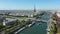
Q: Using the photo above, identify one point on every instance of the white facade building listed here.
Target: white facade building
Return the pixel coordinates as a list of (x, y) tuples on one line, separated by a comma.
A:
[(58, 14)]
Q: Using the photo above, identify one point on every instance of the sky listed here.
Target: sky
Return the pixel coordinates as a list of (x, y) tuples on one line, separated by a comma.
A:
[(29, 4)]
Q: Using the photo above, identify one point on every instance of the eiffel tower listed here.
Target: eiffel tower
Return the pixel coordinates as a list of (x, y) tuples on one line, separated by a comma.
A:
[(34, 8)]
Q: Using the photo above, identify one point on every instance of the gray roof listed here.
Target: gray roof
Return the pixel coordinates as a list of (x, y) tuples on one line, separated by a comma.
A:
[(11, 22)]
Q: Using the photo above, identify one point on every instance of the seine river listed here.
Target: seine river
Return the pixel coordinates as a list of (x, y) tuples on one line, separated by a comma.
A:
[(39, 27)]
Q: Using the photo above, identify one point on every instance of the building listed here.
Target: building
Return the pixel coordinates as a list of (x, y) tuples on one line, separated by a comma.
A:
[(9, 21), (58, 14), (2, 18)]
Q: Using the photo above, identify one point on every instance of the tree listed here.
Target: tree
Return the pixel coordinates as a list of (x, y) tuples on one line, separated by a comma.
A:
[(28, 21)]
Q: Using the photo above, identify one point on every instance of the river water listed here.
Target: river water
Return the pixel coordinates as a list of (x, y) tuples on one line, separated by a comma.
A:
[(39, 27)]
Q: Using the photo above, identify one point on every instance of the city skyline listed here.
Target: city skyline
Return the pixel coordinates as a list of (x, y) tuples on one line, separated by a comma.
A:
[(29, 4)]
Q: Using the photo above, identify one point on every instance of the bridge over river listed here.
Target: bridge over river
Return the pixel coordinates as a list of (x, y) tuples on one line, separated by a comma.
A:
[(46, 21)]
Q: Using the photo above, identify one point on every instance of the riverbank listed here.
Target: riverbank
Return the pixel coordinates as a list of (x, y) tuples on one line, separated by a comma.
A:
[(20, 30), (30, 25)]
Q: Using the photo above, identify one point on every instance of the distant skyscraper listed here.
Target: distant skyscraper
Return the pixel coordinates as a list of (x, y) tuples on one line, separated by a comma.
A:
[(34, 8)]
